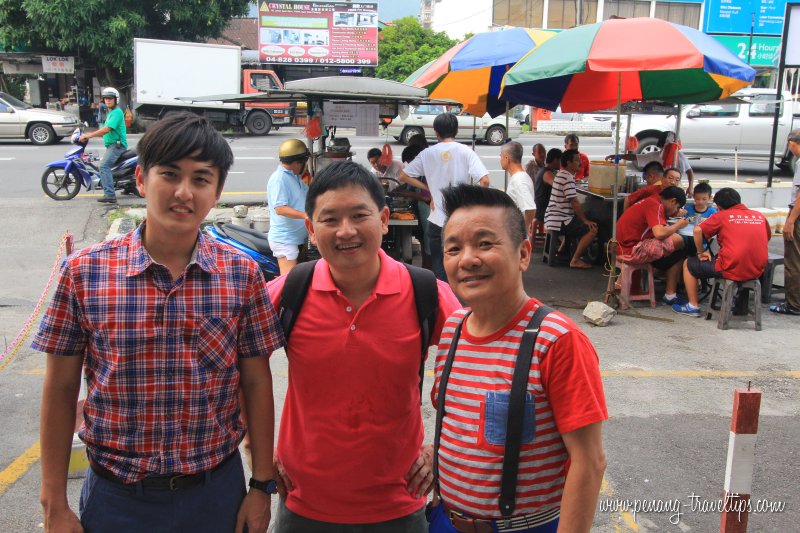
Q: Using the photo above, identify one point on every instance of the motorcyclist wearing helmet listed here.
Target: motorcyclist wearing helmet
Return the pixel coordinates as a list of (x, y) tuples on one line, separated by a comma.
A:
[(115, 140), (286, 198)]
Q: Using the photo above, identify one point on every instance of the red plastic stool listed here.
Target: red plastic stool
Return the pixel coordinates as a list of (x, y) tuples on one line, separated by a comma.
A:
[(539, 234), (628, 273)]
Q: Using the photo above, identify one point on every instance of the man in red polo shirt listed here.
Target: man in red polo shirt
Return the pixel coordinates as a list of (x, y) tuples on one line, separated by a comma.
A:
[(743, 236), (643, 236), (571, 142), (350, 441)]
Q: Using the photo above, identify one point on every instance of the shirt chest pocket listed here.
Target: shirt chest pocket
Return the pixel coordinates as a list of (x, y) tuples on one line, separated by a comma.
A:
[(495, 415), (216, 342)]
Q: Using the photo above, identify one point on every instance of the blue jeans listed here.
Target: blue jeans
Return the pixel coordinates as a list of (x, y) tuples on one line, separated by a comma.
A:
[(437, 251), (440, 523), (106, 164), (209, 506)]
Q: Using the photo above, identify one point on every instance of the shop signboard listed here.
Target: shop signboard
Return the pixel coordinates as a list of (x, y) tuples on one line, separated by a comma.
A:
[(763, 53), (737, 16), (793, 37), (318, 33), (58, 65)]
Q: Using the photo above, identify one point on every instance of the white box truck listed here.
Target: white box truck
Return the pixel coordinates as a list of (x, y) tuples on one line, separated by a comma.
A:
[(167, 70)]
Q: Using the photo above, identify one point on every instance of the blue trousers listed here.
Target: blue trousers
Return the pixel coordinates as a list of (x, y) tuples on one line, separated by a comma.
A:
[(437, 251), (106, 164), (212, 506)]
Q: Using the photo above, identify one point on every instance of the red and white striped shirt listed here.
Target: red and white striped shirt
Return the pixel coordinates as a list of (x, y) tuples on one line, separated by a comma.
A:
[(565, 393)]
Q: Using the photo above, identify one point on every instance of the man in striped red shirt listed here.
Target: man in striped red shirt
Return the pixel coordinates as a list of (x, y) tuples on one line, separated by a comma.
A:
[(485, 253)]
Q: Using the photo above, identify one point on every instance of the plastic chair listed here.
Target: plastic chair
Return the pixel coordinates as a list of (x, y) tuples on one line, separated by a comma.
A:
[(626, 276)]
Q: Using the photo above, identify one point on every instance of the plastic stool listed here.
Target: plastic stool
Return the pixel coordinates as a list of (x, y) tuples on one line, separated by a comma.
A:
[(627, 271), (550, 250), (539, 235), (766, 279), (724, 291)]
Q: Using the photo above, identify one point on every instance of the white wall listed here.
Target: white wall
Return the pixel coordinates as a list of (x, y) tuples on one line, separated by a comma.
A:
[(459, 17)]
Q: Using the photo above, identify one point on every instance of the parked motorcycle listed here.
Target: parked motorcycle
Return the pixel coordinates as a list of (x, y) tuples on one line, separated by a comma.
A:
[(62, 179), (251, 242)]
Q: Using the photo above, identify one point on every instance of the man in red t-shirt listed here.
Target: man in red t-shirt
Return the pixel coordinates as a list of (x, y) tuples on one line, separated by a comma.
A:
[(657, 180), (571, 142), (743, 236), (643, 236)]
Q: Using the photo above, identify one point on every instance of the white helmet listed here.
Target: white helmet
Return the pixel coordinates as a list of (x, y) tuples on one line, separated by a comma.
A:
[(110, 91)]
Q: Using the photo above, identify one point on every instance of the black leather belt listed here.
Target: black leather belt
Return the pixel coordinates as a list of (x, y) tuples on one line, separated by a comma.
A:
[(176, 482)]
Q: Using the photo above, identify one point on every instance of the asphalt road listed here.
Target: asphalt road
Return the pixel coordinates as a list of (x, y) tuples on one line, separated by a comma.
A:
[(669, 380)]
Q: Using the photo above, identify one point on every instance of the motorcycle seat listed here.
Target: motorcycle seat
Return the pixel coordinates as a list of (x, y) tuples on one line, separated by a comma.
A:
[(255, 240), (127, 154)]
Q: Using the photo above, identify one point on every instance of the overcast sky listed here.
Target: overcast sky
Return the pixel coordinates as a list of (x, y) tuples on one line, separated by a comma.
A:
[(387, 9)]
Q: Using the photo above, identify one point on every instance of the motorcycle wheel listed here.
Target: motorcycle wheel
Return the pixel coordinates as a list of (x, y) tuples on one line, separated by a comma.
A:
[(60, 185)]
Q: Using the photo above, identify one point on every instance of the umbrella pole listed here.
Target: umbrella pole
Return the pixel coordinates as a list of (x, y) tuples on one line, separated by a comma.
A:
[(611, 297), (677, 134), (474, 127), (505, 172)]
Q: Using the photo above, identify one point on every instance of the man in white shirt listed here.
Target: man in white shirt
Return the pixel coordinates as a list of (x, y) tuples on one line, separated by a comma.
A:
[(520, 186), (443, 164)]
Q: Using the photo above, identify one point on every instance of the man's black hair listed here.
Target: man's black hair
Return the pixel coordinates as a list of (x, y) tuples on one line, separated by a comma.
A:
[(410, 153), (462, 196), (567, 156), (672, 169), (652, 166), (343, 174), (726, 197), (445, 125), (373, 152), (702, 187), (571, 137), (183, 134), (674, 192), (553, 154)]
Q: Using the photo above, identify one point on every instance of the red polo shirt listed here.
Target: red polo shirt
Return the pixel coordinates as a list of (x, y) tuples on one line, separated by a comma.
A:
[(644, 192), (583, 173), (636, 223), (743, 236), (351, 424)]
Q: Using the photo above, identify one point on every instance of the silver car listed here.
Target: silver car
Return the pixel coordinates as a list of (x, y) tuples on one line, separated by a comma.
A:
[(19, 120), (420, 121)]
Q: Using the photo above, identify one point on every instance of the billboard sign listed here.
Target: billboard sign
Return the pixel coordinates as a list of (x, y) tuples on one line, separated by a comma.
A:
[(737, 16), (318, 33), (763, 53)]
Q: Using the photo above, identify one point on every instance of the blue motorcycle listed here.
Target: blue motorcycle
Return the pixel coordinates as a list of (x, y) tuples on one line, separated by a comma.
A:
[(251, 242), (62, 179)]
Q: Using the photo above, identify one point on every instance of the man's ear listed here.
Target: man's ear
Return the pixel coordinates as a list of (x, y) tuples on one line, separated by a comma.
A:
[(385, 220), (310, 229), (140, 180)]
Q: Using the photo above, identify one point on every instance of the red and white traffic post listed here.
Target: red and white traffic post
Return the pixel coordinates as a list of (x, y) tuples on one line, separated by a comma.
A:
[(741, 458)]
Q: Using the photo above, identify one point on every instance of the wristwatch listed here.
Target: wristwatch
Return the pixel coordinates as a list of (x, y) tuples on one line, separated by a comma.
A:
[(270, 486)]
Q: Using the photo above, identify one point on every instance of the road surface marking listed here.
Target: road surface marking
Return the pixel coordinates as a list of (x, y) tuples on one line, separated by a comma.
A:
[(791, 374), (17, 469), (231, 172), (7, 158)]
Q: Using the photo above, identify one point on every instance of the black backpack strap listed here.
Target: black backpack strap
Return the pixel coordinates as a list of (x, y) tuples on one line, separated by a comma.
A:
[(295, 288), (448, 365), (426, 298), (516, 405)]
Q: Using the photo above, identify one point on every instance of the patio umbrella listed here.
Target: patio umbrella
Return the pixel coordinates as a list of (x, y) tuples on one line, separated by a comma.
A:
[(471, 72), (602, 65)]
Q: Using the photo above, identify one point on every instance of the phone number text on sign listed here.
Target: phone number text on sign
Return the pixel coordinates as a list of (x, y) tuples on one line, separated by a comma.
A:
[(320, 61)]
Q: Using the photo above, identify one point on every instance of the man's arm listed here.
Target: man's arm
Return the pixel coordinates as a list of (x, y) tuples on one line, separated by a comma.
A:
[(697, 234), (484, 181), (788, 227), (256, 385), (622, 157), (414, 182), (62, 384), (585, 475), (290, 212), (548, 177), (662, 232), (576, 206), (530, 214)]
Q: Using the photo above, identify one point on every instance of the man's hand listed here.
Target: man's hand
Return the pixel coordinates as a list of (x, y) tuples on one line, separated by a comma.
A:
[(592, 226), (682, 212), (788, 231), (704, 256), (682, 223), (420, 475), (284, 483), (62, 520), (254, 512), (83, 138)]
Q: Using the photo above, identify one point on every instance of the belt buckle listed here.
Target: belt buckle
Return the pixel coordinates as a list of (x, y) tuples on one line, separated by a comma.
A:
[(172, 482)]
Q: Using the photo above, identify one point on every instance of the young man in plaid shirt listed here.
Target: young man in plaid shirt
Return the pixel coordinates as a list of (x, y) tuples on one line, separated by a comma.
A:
[(167, 325)]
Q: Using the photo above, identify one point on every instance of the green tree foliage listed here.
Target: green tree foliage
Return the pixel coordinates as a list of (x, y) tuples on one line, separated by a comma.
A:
[(101, 32), (406, 46)]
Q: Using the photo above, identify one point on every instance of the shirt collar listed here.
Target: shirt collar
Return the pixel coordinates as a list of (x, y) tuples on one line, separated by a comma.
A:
[(388, 279), (139, 259)]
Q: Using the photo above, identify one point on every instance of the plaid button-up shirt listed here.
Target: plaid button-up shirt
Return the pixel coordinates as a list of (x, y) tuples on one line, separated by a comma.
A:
[(160, 355)]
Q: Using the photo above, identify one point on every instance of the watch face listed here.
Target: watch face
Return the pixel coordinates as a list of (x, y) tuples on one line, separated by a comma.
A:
[(272, 486)]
